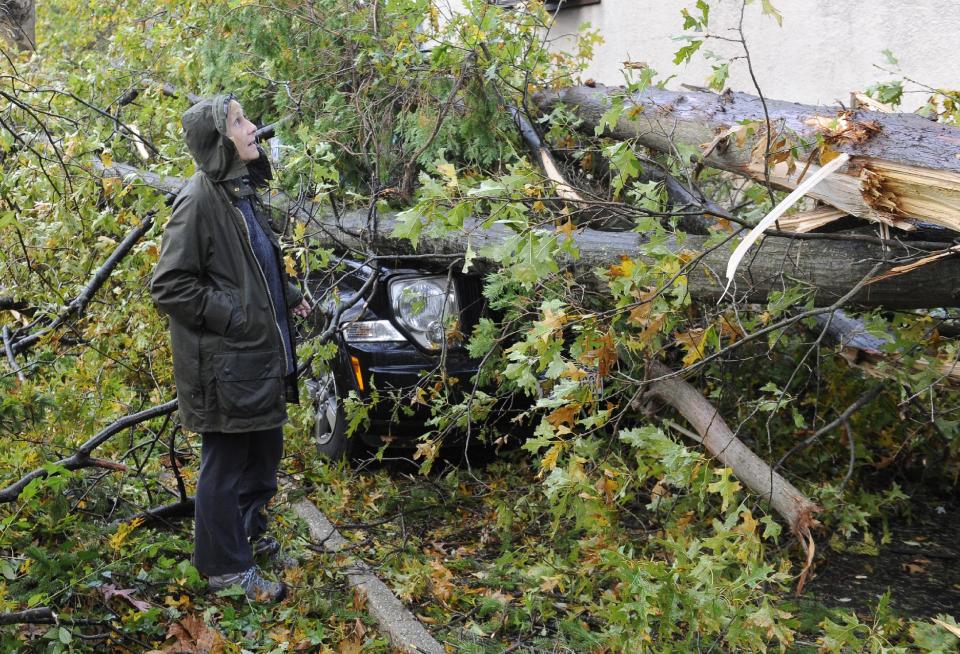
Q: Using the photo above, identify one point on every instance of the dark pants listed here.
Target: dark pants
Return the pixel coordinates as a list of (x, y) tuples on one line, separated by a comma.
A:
[(238, 476)]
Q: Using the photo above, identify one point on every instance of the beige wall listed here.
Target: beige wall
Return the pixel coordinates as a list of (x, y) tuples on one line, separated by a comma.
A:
[(825, 49)]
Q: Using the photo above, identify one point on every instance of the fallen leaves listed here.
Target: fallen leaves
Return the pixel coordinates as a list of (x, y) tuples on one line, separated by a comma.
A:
[(191, 635), (109, 591)]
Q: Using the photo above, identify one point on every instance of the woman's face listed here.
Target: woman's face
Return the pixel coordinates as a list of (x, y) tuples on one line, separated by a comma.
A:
[(242, 132)]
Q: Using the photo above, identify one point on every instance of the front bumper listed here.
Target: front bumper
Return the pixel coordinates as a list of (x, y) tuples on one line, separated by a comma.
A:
[(396, 370)]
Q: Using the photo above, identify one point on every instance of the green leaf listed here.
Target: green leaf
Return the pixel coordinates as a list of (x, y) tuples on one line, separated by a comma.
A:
[(726, 487), (468, 257), (610, 117), (686, 52), (770, 10), (408, 225), (64, 635), (718, 78)]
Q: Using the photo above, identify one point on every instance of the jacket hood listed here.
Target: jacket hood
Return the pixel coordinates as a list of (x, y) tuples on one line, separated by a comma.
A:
[(205, 129)]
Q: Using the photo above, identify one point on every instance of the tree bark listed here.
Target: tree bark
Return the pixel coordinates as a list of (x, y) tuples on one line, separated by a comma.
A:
[(829, 266), (18, 23), (902, 166)]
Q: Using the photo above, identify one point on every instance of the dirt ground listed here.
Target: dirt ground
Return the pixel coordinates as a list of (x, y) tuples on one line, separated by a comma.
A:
[(920, 565)]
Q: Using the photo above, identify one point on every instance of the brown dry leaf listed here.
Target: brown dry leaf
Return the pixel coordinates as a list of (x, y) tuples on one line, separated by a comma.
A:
[(554, 321), (606, 355), (359, 600), (652, 329), (499, 596), (351, 645), (440, 578), (564, 415), (109, 590), (915, 567), (548, 584), (359, 629), (192, 636)]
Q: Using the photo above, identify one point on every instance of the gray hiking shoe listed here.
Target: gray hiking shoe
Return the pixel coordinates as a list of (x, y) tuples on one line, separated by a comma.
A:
[(255, 587)]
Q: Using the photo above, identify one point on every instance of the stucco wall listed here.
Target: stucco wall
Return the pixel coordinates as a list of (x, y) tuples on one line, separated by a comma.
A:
[(825, 49)]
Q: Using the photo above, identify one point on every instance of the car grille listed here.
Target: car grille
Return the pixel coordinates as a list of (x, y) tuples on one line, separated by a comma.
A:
[(472, 302)]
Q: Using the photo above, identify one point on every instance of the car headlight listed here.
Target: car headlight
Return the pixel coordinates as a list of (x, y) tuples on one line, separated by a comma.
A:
[(424, 307), (371, 331)]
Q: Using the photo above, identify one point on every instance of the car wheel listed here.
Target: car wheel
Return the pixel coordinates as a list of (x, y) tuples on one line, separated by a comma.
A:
[(330, 422)]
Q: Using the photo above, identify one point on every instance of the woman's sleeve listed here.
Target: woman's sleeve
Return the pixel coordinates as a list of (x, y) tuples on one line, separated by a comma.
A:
[(177, 285)]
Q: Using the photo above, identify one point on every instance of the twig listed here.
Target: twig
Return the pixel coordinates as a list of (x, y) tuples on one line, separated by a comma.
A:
[(826, 429), (8, 348), (82, 458), (79, 304)]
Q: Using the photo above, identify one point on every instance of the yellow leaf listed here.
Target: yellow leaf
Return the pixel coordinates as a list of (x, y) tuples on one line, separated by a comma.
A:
[(827, 154), (110, 185), (567, 228), (749, 524), (106, 157), (290, 266), (549, 460), (123, 531), (624, 269), (426, 450), (449, 172), (571, 371), (693, 342)]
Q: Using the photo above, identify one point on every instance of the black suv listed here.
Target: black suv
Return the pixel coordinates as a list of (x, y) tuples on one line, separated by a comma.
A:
[(400, 324)]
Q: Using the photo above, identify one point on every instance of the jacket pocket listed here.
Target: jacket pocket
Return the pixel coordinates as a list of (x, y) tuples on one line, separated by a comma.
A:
[(248, 383)]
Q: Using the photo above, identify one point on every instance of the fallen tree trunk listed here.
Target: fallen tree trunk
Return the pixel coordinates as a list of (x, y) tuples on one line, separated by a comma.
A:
[(902, 166), (829, 265)]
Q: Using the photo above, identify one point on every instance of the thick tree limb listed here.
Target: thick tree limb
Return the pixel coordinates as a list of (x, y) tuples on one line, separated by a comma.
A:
[(42, 615), (166, 513), (82, 458), (829, 266), (902, 167), (792, 505)]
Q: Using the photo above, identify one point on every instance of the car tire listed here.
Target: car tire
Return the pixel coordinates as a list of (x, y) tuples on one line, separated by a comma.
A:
[(330, 422)]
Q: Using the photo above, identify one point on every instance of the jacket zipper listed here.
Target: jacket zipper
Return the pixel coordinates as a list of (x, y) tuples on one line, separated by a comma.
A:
[(266, 285)]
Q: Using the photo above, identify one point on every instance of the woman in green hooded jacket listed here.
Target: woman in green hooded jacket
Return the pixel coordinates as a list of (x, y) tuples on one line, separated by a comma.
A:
[(220, 278)]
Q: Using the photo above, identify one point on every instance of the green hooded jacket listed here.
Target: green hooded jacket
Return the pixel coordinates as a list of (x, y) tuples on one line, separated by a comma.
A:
[(228, 354)]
